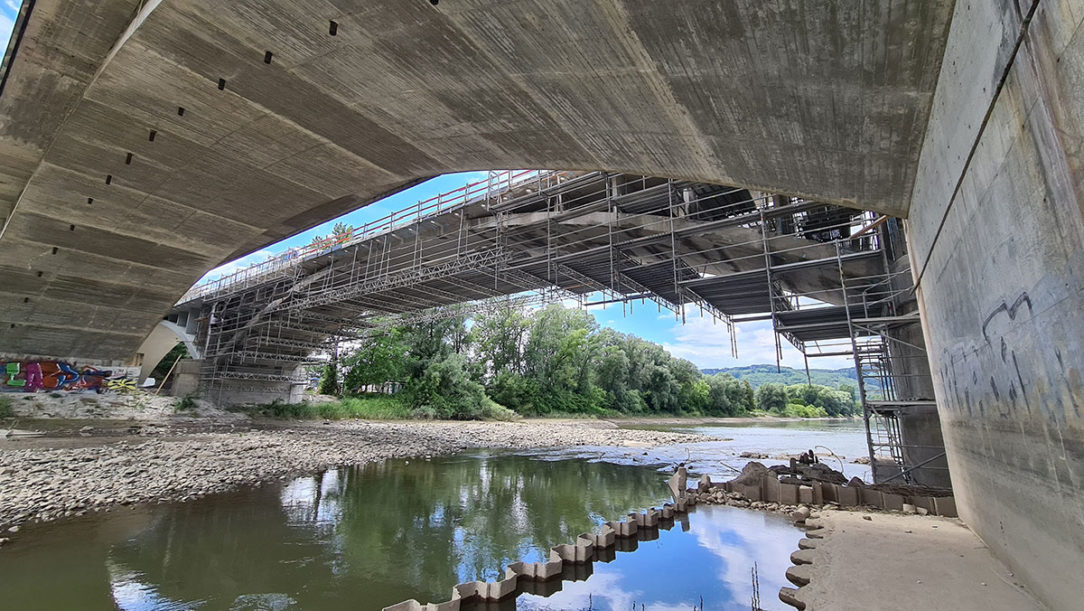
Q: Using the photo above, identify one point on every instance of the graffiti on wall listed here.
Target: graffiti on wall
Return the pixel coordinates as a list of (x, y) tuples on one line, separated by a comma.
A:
[(35, 376)]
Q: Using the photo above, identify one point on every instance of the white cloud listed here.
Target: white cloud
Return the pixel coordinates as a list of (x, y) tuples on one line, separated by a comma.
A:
[(741, 538), (707, 344)]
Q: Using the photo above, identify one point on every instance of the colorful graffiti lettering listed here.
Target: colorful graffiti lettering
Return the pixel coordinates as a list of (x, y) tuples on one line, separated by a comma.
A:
[(34, 376)]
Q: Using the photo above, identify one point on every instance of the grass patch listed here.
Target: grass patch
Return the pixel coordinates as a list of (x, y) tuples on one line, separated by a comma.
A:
[(365, 407), (6, 410), (368, 407)]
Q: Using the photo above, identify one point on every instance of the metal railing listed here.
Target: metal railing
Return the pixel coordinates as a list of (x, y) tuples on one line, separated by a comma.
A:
[(494, 185)]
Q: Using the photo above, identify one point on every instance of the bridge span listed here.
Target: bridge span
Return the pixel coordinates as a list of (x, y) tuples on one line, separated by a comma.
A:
[(833, 281)]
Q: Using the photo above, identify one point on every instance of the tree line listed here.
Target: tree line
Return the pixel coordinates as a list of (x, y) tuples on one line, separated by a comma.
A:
[(552, 360)]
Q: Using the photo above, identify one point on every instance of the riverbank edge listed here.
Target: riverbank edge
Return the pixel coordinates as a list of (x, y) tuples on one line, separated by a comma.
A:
[(41, 483)]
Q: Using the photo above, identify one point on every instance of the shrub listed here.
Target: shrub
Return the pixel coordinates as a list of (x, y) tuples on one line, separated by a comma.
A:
[(6, 410), (185, 403), (797, 410), (445, 388)]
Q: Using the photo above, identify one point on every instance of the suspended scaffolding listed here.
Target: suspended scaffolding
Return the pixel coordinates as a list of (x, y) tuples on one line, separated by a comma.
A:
[(825, 276)]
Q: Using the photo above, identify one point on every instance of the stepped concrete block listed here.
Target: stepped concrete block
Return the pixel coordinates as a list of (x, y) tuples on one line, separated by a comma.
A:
[(788, 494), (802, 556), (604, 539), (805, 494), (573, 553), (790, 597), (800, 574), (848, 497), (892, 501), (623, 529)]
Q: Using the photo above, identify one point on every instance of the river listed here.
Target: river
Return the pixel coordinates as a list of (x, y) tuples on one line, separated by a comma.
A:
[(370, 536)]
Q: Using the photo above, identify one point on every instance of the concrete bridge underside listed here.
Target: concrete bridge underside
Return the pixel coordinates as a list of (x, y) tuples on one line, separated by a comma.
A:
[(963, 116), (829, 102)]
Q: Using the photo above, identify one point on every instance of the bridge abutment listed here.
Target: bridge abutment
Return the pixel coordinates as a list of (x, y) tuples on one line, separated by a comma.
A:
[(228, 392), (997, 238)]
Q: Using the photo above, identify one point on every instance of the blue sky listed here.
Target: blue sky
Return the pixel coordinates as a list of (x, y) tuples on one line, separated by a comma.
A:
[(8, 10), (700, 340)]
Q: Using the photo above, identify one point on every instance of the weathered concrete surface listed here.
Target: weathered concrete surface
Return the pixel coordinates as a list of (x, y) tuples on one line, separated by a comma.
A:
[(1002, 283), (827, 101), (894, 562)]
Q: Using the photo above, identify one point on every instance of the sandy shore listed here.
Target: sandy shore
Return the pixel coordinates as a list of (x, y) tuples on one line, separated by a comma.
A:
[(47, 478)]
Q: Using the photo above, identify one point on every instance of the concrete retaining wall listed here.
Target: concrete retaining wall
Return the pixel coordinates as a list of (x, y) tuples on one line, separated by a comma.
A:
[(997, 235), (772, 490)]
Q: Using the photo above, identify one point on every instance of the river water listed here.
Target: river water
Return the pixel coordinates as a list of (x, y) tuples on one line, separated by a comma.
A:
[(370, 536)]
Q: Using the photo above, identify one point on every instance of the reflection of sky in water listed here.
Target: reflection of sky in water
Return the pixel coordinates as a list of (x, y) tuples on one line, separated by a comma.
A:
[(130, 593), (712, 561), (313, 500)]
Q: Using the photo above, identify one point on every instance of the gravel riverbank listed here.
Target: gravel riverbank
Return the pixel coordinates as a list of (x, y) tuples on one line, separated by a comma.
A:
[(42, 483)]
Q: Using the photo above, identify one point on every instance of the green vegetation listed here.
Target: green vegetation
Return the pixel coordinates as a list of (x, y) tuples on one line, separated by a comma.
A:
[(6, 410), (339, 233), (185, 403), (365, 407), (806, 400), (329, 379), (551, 361), (166, 364)]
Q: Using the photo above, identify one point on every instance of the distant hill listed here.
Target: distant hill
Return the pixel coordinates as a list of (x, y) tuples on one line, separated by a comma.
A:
[(765, 374)]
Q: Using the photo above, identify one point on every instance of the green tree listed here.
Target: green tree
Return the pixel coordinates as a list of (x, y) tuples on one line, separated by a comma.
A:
[(340, 232), (499, 338), (329, 380), (771, 398), (381, 359)]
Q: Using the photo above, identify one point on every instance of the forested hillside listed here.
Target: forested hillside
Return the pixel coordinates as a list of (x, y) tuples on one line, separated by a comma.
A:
[(758, 375)]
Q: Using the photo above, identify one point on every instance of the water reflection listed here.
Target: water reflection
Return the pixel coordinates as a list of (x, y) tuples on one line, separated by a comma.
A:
[(710, 565), (375, 535), (372, 536)]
